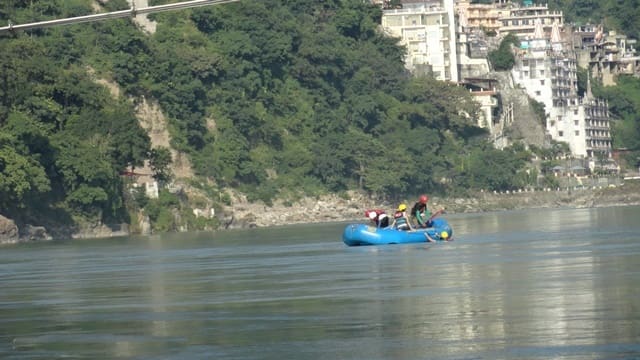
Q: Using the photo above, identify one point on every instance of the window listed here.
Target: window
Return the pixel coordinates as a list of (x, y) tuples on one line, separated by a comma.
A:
[(541, 82), (576, 122), (577, 132), (575, 112), (537, 92), (560, 133)]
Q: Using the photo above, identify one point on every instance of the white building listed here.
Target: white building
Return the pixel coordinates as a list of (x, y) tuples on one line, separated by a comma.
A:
[(427, 29), (547, 69), (521, 20)]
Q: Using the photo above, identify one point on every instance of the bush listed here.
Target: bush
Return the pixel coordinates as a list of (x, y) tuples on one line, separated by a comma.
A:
[(502, 59), (160, 211), (539, 110)]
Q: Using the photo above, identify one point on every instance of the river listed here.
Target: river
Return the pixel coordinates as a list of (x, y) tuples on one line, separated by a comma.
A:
[(532, 284)]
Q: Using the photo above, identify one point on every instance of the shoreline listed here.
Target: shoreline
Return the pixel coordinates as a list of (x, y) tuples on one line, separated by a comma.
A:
[(334, 208)]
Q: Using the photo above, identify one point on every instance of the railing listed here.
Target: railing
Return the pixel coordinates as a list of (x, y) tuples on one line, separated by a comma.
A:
[(598, 128), (415, 10)]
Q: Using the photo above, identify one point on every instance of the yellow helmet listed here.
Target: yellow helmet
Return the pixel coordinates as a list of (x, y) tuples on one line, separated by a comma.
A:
[(444, 235), (402, 207)]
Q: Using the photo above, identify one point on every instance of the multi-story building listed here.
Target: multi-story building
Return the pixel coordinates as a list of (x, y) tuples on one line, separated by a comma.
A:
[(427, 29), (597, 122), (478, 16), (521, 20), (473, 68), (546, 68), (546, 63), (606, 55)]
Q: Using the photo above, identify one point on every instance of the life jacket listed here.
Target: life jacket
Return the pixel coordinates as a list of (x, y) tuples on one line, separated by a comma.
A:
[(377, 211), (401, 220)]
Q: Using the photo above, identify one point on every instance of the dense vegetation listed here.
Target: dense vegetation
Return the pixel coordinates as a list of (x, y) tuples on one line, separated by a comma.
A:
[(624, 104), (620, 15), (275, 98), (502, 58)]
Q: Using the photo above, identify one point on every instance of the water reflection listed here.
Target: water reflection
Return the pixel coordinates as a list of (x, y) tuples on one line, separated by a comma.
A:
[(533, 288), (512, 285), (543, 220), (159, 326)]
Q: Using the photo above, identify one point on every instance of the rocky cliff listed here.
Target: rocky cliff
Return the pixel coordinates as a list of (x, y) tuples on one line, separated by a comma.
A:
[(517, 116)]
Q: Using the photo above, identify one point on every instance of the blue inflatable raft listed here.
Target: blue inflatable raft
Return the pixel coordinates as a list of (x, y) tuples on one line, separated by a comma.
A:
[(362, 234)]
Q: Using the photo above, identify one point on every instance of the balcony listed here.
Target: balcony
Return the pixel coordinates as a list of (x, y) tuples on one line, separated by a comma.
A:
[(597, 128), (599, 138)]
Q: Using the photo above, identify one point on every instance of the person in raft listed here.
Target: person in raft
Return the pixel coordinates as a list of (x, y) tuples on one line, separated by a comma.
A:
[(421, 213), (400, 219), (379, 217)]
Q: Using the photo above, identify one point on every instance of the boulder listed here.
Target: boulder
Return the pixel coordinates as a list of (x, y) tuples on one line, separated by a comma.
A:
[(9, 233), (36, 233)]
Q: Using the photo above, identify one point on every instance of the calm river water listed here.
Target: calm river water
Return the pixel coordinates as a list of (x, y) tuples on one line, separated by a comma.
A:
[(535, 284)]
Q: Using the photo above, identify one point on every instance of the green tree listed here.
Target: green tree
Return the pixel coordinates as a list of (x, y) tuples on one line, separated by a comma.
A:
[(21, 176), (499, 170), (624, 104), (159, 161), (230, 151), (161, 211), (88, 178), (502, 59)]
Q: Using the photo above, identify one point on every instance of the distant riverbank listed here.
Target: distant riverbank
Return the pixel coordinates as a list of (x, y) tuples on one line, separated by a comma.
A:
[(351, 207)]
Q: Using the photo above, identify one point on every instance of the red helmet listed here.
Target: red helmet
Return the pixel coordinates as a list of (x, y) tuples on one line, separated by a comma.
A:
[(424, 199)]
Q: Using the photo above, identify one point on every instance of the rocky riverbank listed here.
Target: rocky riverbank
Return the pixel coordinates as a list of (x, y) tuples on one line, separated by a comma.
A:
[(335, 208), (350, 207), (10, 234)]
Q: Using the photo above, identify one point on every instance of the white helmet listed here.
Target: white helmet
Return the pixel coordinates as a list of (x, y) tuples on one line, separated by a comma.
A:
[(372, 215)]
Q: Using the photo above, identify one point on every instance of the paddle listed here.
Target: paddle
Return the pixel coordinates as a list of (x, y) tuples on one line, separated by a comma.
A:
[(435, 214)]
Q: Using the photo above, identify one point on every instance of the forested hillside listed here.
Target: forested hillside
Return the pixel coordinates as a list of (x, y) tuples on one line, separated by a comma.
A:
[(272, 98), (620, 15)]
